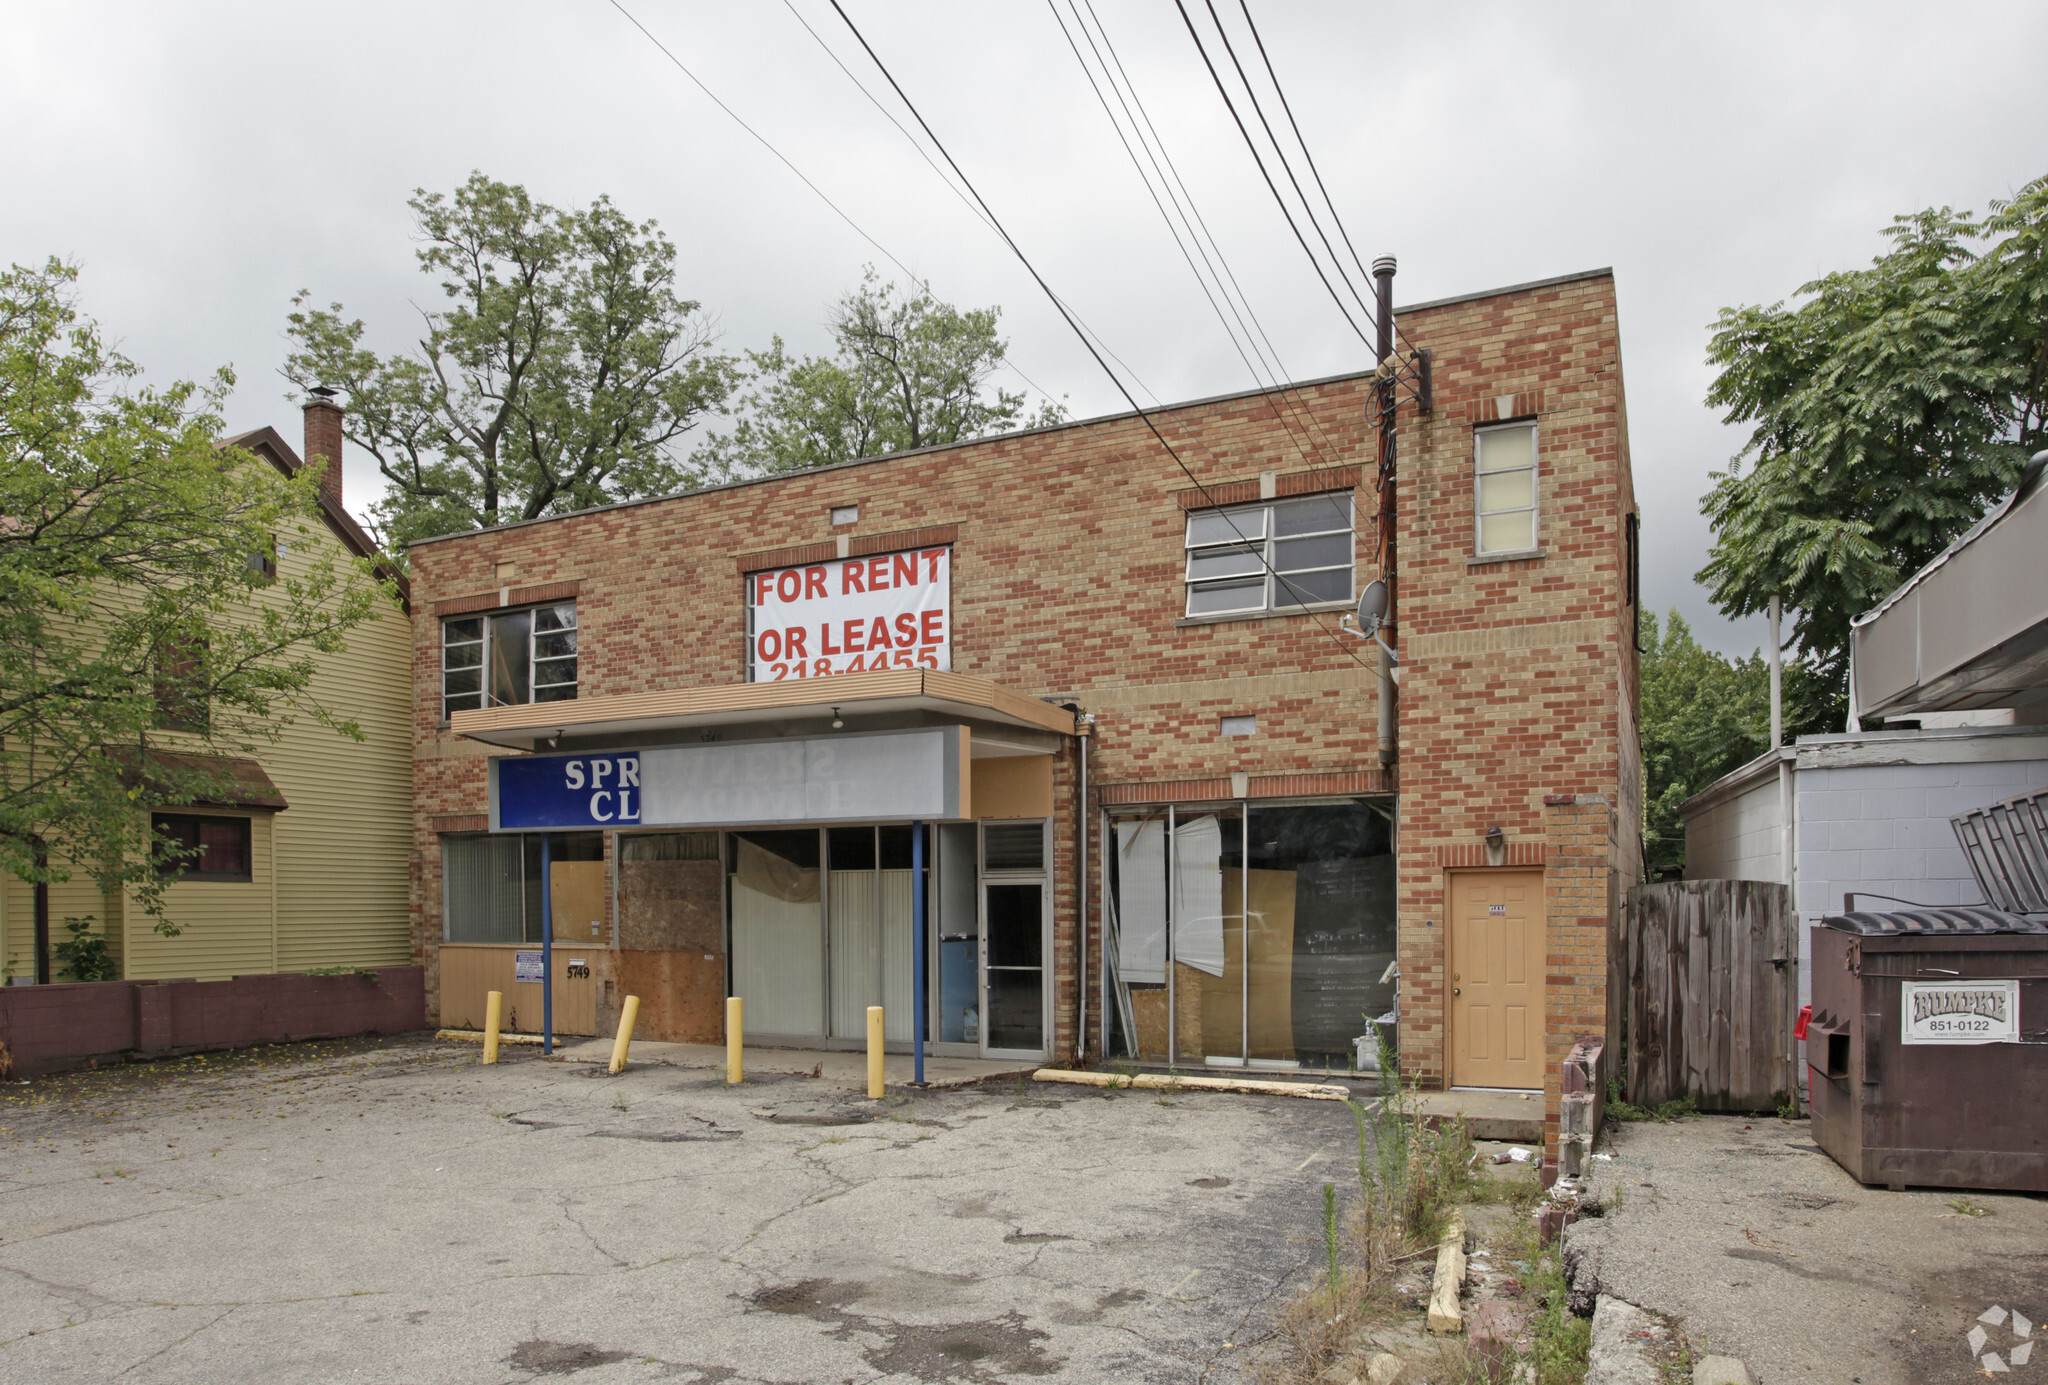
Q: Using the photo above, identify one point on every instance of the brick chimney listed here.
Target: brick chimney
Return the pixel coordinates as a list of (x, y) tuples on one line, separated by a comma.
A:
[(323, 440)]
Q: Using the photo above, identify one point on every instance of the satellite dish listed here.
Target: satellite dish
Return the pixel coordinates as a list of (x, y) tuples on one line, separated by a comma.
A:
[(1372, 606)]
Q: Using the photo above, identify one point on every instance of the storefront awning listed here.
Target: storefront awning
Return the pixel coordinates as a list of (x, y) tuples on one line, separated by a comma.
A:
[(954, 696)]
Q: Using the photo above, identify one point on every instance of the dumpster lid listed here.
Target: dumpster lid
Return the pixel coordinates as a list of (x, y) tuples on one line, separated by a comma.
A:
[(1964, 919)]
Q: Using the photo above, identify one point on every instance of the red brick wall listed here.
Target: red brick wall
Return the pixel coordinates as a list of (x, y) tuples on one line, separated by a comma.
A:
[(51, 1028), (1067, 566)]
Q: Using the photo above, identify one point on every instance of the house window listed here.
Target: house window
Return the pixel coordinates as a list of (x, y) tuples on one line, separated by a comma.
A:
[(1274, 556), (178, 682), (508, 657), (263, 561), (202, 848), (1505, 489)]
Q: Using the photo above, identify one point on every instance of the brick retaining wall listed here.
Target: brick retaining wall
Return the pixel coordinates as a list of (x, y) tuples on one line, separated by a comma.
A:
[(52, 1028)]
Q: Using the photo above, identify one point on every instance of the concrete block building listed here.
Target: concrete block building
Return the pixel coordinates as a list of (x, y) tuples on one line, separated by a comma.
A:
[(1094, 711)]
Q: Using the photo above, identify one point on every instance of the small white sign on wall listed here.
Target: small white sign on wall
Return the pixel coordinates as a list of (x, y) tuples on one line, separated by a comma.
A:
[(1959, 1012), (526, 966)]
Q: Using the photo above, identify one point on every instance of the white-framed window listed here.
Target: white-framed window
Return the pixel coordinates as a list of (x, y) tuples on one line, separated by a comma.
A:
[(1504, 489), (503, 658), (1271, 556)]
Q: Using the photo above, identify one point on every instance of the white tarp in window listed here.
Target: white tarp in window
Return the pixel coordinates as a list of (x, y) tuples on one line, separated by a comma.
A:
[(1141, 902), (1198, 894)]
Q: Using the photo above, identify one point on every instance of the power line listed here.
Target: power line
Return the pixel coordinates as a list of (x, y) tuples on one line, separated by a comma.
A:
[(1274, 77), (1031, 269), (1286, 164), (890, 116), (1258, 159), (783, 159), (1280, 372), (1202, 282)]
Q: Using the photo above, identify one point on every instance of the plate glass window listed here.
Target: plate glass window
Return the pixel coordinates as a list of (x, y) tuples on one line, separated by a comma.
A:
[(1273, 556), (1505, 488), (508, 657), (203, 848)]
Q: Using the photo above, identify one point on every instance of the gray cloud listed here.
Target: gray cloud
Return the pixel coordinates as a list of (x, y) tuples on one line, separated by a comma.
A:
[(204, 161)]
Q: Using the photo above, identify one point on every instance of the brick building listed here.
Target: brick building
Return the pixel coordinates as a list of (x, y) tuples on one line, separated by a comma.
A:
[(717, 714)]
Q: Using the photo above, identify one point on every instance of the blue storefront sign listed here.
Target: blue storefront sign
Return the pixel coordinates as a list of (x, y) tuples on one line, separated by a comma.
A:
[(565, 791)]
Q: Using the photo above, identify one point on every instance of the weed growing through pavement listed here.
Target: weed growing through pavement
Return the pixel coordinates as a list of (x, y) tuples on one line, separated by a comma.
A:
[(1410, 1176), (619, 1100), (1664, 1111), (1963, 1207), (1560, 1340)]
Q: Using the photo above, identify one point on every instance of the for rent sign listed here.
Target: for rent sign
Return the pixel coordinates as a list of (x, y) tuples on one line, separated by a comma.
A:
[(851, 615)]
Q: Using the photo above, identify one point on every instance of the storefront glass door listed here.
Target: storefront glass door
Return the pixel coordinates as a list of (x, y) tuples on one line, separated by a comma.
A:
[(778, 934), (1014, 920), (822, 929), (868, 897), (1016, 967)]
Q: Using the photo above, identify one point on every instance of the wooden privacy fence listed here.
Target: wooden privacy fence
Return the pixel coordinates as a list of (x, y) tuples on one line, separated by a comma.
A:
[(1710, 968)]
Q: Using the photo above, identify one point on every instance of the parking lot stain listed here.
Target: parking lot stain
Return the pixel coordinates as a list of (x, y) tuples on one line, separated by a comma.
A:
[(540, 1357)]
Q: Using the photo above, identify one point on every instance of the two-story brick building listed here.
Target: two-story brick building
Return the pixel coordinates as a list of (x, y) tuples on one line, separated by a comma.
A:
[(1154, 815)]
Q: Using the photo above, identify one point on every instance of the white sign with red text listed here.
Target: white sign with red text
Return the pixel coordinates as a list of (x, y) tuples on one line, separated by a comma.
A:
[(851, 615)]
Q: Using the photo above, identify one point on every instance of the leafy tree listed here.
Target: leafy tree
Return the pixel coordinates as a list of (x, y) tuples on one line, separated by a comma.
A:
[(1888, 410), (907, 372), (134, 593), (1704, 714), (560, 375)]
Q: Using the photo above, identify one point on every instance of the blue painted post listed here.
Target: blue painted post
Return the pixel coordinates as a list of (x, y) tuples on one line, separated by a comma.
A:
[(547, 953), (917, 951)]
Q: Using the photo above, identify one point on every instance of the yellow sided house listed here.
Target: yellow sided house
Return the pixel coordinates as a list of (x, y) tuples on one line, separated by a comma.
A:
[(299, 857)]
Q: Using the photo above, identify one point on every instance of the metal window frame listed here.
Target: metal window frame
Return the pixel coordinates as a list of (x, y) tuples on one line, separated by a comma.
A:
[(1534, 509), (1048, 983), (489, 621), (1269, 573)]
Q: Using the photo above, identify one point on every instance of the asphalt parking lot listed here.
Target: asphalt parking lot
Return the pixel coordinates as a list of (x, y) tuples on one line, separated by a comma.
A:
[(391, 1211), (1744, 1232)]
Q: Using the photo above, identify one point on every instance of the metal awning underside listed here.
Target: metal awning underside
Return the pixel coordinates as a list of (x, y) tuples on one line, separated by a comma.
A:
[(954, 696), (1970, 629)]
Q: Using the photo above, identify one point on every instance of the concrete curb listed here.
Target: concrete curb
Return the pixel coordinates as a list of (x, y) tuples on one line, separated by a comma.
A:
[(1167, 1082), (1620, 1353)]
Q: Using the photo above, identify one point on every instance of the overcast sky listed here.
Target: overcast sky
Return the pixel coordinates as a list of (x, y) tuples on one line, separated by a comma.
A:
[(203, 161)]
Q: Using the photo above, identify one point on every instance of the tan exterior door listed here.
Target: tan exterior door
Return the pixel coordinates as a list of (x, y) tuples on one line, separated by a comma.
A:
[(1496, 979)]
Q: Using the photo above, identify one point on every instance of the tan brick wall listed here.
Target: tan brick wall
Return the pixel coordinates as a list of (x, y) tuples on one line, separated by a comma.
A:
[(1067, 567)]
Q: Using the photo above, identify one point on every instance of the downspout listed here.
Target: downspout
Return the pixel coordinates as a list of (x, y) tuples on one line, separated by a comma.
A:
[(1383, 281), (1084, 726), (547, 947), (1787, 847), (42, 913)]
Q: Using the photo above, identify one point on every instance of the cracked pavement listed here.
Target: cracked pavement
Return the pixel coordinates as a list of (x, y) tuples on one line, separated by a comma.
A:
[(390, 1210), (1743, 1231)]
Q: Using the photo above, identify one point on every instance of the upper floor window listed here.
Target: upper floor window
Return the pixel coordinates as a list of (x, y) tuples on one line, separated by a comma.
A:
[(178, 678), (1271, 556), (508, 657), (1505, 489)]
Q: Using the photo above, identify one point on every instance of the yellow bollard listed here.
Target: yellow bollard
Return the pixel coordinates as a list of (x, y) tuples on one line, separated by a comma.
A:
[(875, 1052), (494, 1015), (734, 1069), (625, 1039)]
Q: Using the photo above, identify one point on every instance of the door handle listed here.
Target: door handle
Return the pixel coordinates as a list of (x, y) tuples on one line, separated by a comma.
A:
[(1456, 991)]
